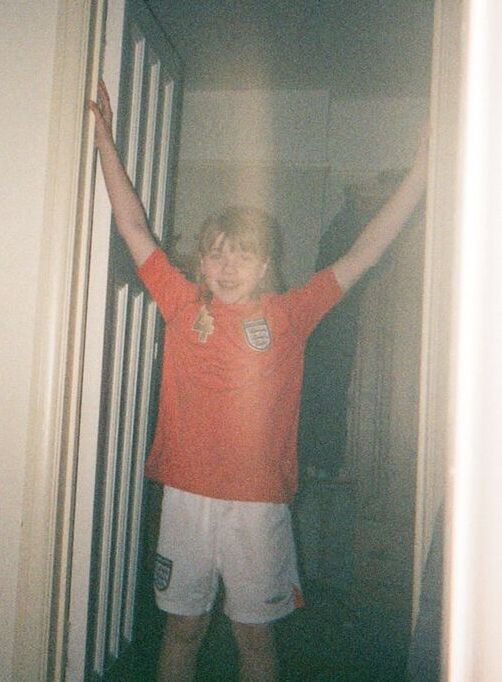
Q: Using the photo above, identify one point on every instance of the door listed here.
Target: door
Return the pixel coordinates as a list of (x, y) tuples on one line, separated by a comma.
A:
[(111, 491)]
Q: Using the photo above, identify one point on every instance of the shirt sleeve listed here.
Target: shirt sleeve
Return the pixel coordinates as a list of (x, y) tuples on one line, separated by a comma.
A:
[(307, 305), (168, 287)]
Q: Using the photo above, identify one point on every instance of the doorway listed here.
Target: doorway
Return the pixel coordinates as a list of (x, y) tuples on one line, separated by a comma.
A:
[(303, 188), (297, 148)]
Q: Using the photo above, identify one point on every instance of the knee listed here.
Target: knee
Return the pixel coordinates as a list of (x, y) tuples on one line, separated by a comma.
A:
[(254, 638), (186, 631)]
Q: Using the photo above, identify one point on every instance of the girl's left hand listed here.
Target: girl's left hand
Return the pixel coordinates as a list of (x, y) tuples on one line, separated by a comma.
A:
[(103, 116)]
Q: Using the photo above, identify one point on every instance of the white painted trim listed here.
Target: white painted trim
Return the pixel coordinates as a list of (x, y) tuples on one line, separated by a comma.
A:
[(439, 266), (109, 502), (92, 372), (55, 391), (462, 369), (474, 582)]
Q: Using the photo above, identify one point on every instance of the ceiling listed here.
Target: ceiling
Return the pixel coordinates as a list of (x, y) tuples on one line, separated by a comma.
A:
[(354, 48)]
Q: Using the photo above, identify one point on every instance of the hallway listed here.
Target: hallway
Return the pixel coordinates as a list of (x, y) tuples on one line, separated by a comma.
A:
[(337, 638), (355, 626)]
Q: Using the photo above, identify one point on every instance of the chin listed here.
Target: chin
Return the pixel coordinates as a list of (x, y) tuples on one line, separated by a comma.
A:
[(231, 297)]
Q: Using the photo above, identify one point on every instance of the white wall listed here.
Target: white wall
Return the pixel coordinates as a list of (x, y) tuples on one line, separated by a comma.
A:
[(26, 55), (259, 148), (289, 152)]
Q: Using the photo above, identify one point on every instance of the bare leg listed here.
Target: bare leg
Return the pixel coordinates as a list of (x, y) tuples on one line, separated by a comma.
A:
[(257, 654), (178, 655)]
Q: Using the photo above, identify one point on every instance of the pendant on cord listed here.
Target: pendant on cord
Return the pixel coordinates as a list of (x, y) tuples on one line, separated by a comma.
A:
[(204, 324)]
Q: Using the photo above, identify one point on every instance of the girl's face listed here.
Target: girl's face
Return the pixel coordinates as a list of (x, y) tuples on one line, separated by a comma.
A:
[(231, 274)]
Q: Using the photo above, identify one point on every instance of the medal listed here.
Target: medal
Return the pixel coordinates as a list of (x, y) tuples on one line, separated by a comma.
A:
[(204, 324)]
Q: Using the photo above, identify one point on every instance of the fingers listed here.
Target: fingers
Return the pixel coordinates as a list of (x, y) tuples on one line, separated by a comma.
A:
[(104, 103), (102, 111), (103, 95), (101, 108), (97, 111), (93, 106)]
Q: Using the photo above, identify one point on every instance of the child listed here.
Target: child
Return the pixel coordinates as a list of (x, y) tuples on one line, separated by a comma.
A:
[(225, 445)]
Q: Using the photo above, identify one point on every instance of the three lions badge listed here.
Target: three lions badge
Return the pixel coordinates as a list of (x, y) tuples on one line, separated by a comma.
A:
[(257, 333), (162, 572)]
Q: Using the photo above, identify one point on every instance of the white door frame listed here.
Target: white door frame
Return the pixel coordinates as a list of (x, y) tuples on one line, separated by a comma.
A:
[(130, 27), (91, 372), (55, 397), (460, 455), (474, 579), (439, 264)]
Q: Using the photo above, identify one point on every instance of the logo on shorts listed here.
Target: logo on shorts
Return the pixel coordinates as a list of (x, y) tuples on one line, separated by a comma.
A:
[(162, 572), (277, 599), (258, 334)]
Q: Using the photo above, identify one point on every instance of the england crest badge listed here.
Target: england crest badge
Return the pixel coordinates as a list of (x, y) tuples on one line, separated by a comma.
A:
[(162, 572), (257, 333)]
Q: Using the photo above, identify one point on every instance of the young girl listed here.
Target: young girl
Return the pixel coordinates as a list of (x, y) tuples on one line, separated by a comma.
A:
[(225, 444)]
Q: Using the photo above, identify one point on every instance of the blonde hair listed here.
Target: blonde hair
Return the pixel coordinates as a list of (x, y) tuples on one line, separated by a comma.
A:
[(251, 230)]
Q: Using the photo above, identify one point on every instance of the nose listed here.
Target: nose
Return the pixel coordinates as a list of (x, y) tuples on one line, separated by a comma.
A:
[(228, 263)]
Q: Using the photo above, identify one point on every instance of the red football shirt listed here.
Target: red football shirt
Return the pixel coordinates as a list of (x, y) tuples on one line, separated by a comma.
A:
[(231, 382)]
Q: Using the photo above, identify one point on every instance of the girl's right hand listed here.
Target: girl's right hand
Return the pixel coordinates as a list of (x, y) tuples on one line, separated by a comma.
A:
[(103, 116)]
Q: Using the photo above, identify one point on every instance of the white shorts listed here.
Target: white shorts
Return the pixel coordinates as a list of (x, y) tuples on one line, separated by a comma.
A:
[(248, 544)]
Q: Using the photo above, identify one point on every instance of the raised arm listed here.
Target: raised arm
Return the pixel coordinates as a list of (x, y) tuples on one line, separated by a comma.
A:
[(384, 227), (127, 209)]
